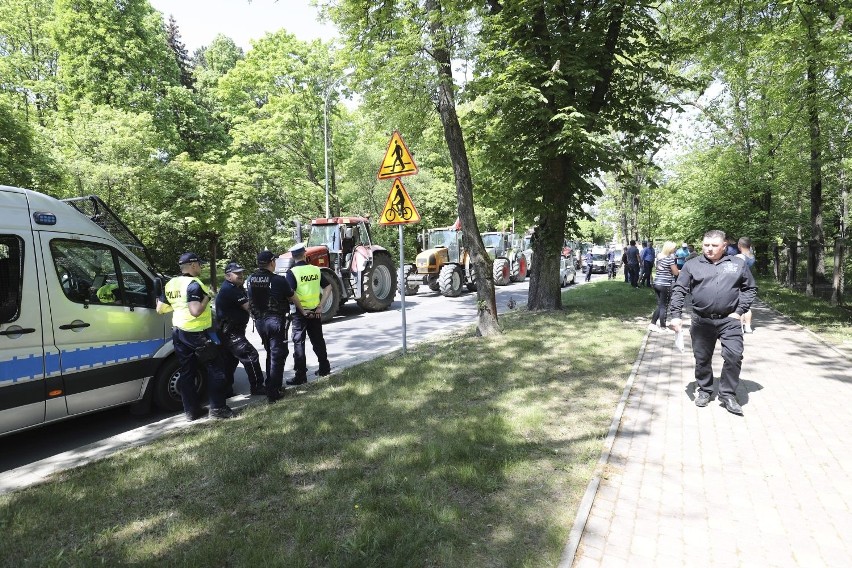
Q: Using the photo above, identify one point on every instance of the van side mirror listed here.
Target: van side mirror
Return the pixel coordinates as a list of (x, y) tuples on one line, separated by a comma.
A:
[(348, 232), (158, 287)]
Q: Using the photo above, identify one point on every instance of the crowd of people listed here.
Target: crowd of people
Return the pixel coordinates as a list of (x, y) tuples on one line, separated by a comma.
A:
[(210, 331)]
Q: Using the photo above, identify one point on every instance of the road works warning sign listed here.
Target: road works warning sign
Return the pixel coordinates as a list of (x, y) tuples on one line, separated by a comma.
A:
[(399, 209), (398, 160)]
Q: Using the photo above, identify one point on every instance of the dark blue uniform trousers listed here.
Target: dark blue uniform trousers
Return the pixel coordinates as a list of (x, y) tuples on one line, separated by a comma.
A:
[(237, 349), (705, 332), (273, 334), (312, 327), (186, 342)]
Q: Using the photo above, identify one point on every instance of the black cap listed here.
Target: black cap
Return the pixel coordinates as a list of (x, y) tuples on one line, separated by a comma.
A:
[(188, 257), (264, 257), (234, 267)]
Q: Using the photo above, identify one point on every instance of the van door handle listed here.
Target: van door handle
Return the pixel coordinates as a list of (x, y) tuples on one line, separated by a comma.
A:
[(14, 330), (75, 325)]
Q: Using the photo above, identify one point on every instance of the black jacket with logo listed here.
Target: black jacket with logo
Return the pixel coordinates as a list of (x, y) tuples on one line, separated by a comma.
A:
[(721, 288)]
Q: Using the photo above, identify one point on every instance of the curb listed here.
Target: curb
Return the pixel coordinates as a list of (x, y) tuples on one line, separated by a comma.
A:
[(585, 508)]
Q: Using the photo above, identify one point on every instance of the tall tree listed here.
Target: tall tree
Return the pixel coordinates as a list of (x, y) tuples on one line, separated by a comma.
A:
[(181, 54), (387, 38), (557, 81)]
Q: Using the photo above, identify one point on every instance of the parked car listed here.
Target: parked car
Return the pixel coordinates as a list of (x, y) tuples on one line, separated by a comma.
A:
[(567, 272)]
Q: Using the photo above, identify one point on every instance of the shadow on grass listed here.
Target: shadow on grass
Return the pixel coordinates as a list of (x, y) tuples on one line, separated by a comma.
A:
[(467, 452)]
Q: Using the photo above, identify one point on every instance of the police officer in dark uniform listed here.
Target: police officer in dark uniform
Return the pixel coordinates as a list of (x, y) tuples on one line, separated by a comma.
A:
[(269, 303), (722, 290), (312, 289), (232, 316), (192, 321)]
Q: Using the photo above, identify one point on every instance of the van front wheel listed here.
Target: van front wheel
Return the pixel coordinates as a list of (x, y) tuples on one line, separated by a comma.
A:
[(166, 392)]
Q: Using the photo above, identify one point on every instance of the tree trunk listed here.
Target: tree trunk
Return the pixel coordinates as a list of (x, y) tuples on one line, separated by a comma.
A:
[(213, 245), (816, 259), (545, 292), (487, 323)]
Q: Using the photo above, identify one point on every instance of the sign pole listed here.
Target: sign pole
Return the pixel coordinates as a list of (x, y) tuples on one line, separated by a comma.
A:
[(402, 285)]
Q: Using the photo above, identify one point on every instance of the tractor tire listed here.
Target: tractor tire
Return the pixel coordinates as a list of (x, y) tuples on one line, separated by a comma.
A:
[(378, 284), (332, 305), (501, 272), (433, 283), (519, 269), (451, 280), (410, 289), (166, 392)]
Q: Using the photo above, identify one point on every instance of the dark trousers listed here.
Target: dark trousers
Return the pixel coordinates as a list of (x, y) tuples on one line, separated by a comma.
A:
[(705, 332), (273, 334), (237, 349), (664, 294), (633, 273), (647, 266), (186, 342), (312, 327), (588, 272)]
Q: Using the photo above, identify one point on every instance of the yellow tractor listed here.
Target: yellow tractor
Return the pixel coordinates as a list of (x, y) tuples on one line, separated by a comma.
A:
[(443, 265)]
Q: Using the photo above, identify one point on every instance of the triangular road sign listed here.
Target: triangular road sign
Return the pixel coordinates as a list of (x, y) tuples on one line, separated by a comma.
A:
[(399, 209), (398, 160)]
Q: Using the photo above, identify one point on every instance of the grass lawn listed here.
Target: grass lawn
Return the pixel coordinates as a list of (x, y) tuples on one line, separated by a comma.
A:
[(466, 452), (832, 323)]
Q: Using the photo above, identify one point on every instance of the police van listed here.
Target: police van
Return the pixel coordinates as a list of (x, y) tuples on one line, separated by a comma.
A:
[(79, 330)]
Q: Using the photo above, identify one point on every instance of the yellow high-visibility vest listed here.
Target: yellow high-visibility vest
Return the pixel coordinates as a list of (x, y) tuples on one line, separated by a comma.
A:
[(307, 285), (176, 295)]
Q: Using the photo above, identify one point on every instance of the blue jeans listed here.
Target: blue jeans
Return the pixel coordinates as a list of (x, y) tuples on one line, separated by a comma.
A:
[(273, 333), (186, 342)]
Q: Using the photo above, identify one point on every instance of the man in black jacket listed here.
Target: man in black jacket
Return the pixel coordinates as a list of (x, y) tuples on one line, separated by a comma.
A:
[(232, 317), (722, 289)]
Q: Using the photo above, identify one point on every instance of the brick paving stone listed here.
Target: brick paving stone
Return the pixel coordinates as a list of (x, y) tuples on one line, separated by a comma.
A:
[(772, 488)]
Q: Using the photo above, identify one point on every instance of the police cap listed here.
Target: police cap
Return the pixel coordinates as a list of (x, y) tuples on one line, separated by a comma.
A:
[(234, 267), (264, 257), (188, 257), (297, 249)]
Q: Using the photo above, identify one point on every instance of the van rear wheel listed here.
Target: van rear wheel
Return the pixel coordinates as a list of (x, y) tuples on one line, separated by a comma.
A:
[(166, 393)]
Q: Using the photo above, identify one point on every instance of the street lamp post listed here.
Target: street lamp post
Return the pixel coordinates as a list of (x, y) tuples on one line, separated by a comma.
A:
[(328, 92)]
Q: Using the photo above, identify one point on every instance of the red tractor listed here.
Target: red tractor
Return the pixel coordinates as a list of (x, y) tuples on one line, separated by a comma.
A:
[(342, 248)]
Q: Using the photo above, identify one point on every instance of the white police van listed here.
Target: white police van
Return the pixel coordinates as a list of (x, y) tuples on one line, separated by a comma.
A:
[(79, 331)]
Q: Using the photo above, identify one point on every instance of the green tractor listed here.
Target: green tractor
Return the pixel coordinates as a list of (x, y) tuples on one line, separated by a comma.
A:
[(510, 263), (443, 265)]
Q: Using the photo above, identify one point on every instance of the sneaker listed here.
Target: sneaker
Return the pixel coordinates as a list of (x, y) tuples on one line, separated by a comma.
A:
[(222, 413), (703, 399), (747, 329), (653, 327), (194, 415)]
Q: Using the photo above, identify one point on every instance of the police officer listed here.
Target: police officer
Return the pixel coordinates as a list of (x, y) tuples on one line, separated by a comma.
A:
[(722, 290), (269, 303), (312, 289), (192, 321), (232, 316)]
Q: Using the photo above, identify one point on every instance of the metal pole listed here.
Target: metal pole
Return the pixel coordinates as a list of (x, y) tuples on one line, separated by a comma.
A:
[(325, 144), (402, 286)]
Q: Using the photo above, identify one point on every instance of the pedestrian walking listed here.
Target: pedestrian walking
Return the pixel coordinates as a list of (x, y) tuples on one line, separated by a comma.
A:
[(193, 338), (722, 290), (633, 261), (648, 254), (232, 317), (588, 258), (744, 246), (681, 255), (269, 304), (312, 290), (663, 281)]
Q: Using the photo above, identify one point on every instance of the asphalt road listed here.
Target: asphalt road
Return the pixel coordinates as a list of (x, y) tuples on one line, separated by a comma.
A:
[(352, 336)]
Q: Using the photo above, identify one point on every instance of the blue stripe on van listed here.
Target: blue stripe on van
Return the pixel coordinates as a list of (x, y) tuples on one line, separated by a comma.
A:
[(30, 367)]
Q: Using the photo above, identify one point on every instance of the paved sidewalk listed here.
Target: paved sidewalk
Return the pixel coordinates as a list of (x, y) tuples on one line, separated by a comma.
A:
[(689, 486)]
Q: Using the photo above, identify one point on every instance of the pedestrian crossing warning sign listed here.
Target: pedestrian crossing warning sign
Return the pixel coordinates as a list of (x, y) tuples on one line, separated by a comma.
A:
[(399, 209), (398, 160)]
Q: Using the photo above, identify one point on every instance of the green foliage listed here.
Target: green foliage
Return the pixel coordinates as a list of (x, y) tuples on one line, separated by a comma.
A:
[(24, 158)]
